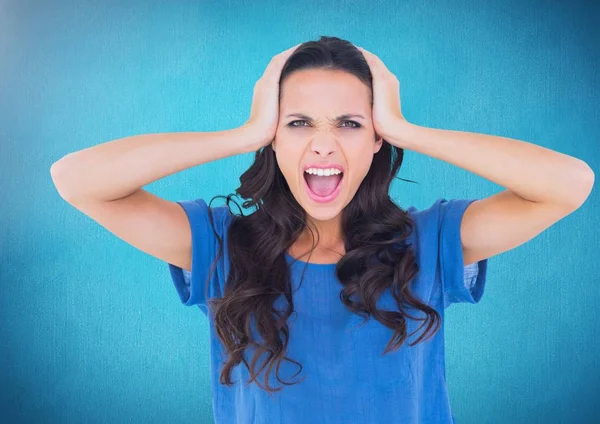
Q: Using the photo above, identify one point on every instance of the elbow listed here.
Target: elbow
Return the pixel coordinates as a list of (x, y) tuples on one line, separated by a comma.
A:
[(585, 183), (60, 179)]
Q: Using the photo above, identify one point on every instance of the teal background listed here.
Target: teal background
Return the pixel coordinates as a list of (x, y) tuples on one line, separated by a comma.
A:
[(92, 329)]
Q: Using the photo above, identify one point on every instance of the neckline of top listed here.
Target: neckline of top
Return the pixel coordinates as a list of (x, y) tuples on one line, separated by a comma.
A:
[(312, 264)]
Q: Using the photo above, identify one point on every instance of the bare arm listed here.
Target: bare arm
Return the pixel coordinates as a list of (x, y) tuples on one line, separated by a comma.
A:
[(105, 183), (118, 168)]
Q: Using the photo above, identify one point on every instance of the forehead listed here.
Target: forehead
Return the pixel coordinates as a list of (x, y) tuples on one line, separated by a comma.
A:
[(319, 88)]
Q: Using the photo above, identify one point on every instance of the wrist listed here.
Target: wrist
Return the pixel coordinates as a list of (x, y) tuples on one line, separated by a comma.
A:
[(399, 133), (256, 137)]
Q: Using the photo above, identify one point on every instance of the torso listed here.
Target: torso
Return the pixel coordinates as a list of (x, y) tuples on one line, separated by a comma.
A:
[(320, 255)]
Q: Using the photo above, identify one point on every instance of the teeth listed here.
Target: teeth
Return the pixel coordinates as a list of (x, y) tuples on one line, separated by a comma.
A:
[(323, 172)]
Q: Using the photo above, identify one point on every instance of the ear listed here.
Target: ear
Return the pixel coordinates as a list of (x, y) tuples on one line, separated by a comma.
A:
[(378, 144)]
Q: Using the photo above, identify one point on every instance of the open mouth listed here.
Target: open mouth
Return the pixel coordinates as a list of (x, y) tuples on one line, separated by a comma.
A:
[(323, 188)]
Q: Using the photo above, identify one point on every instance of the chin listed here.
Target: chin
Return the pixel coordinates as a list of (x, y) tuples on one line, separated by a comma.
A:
[(321, 214)]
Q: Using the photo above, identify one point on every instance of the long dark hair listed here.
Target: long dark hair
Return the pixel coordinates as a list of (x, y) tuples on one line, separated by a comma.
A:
[(371, 223)]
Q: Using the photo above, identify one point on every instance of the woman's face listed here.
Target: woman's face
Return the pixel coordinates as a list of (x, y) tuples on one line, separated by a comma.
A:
[(318, 138)]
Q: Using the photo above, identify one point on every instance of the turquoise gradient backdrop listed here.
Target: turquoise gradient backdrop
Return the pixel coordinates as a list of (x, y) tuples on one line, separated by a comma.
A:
[(92, 330)]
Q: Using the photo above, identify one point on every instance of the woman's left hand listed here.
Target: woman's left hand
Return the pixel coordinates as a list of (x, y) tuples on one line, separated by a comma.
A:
[(386, 96)]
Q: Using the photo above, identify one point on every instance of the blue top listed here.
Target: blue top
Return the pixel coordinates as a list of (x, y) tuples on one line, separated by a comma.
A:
[(346, 378)]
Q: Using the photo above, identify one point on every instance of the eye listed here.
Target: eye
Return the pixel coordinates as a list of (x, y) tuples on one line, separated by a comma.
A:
[(291, 124), (356, 124)]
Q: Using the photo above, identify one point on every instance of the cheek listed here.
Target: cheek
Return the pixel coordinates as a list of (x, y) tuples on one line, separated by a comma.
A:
[(288, 162), (362, 162)]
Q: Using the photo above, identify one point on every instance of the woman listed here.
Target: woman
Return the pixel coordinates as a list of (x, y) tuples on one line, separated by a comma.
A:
[(328, 277)]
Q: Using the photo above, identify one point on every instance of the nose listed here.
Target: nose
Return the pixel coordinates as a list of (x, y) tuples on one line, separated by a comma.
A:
[(324, 144)]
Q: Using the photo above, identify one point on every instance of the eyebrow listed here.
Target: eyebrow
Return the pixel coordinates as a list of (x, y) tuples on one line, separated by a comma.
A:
[(339, 118)]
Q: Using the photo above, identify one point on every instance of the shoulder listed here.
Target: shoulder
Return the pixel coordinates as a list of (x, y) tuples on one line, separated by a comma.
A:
[(438, 226), (440, 213), (201, 214)]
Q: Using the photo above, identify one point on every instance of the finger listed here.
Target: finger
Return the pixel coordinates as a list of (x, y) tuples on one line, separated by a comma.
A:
[(371, 59), (276, 63), (372, 56), (364, 51), (376, 63), (289, 51)]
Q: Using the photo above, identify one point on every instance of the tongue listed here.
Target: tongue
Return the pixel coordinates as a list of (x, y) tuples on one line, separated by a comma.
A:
[(322, 186)]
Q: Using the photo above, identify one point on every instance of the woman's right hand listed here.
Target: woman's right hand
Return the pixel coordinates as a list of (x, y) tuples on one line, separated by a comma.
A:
[(264, 115)]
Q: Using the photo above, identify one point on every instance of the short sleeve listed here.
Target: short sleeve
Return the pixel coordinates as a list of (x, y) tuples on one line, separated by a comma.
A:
[(191, 285), (456, 284), (471, 273)]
